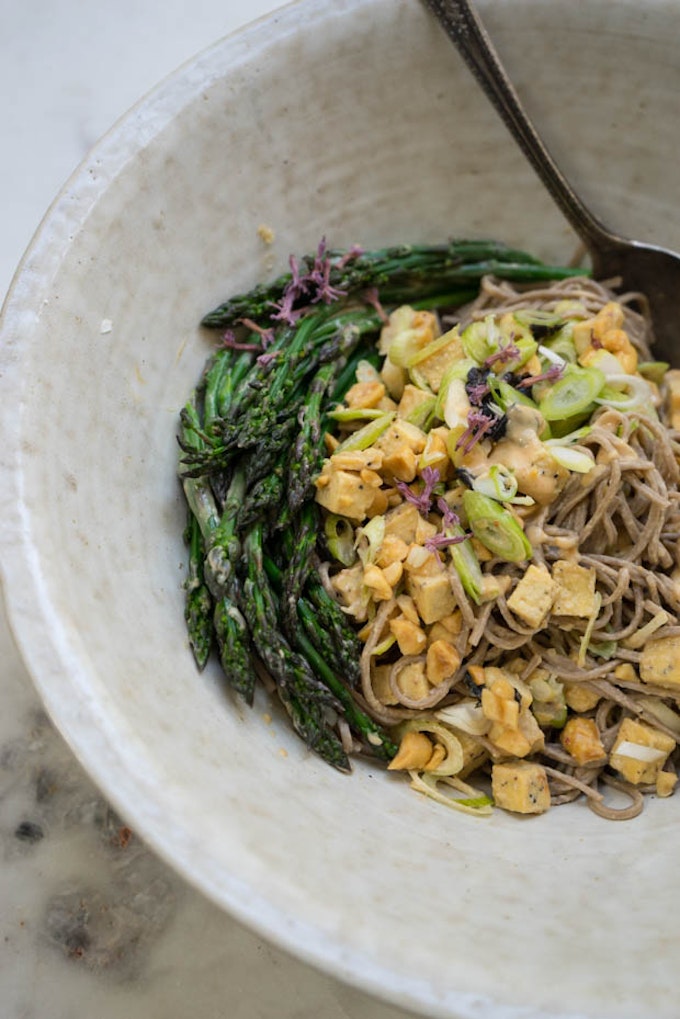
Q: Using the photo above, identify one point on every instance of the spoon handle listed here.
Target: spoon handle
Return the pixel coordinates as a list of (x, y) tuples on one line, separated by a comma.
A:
[(467, 32)]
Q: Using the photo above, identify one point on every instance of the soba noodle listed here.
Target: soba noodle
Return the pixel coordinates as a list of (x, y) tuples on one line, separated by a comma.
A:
[(620, 523)]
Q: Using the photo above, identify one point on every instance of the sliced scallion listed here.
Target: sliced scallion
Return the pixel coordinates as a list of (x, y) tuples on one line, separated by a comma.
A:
[(496, 528), (366, 436), (572, 394), (340, 539)]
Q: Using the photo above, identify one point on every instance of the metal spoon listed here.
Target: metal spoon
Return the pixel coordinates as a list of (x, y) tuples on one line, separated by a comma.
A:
[(652, 270)]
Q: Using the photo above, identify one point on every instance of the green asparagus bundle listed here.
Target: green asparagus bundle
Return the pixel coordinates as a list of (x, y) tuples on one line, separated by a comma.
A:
[(251, 439)]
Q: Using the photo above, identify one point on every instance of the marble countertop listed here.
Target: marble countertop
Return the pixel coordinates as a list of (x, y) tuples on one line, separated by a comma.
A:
[(91, 922)]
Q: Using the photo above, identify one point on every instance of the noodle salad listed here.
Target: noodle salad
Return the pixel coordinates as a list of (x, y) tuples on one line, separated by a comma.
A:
[(469, 566)]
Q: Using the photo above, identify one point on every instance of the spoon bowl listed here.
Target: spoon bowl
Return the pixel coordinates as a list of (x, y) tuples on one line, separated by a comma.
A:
[(635, 266)]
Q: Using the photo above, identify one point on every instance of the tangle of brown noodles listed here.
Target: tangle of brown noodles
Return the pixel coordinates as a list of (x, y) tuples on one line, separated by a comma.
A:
[(622, 520)]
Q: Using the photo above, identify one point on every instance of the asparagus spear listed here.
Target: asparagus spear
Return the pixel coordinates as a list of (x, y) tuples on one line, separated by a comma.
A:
[(305, 698), (198, 603), (399, 272)]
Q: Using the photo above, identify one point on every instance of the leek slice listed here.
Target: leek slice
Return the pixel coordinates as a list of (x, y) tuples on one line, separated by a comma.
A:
[(572, 394), (367, 435), (496, 528), (472, 801), (466, 565), (576, 460), (355, 413), (340, 539), (653, 371)]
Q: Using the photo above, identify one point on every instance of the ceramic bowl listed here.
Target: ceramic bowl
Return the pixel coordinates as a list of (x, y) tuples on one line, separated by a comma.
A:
[(354, 120)]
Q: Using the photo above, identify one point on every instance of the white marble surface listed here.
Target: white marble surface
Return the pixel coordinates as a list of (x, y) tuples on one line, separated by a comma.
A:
[(90, 921)]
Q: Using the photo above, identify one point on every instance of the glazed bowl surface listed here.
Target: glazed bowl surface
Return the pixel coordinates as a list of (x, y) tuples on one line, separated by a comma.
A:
[(355, 121)]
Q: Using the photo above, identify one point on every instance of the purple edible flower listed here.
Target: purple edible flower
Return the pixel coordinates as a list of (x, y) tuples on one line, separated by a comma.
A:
[(372, 298), (479, 424), (265, 359), (423, 500), (439, 541), (229, 340), (266, 335), (476, 393), (450, 517), (554, 372), (319, 277), (507, 353)]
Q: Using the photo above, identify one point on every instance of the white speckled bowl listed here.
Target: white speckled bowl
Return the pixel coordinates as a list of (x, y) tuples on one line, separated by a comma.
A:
[(353, 119)]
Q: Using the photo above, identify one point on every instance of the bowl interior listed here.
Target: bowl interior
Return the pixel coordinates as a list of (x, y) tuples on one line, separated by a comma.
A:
[(356, 121)]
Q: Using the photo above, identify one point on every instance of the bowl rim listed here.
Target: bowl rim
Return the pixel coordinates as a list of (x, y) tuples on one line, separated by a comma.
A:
[(333, 955)]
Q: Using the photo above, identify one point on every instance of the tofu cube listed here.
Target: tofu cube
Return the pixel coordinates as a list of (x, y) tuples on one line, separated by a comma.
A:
[(402, 522), (438, 355), (346, 493), (534, 595), (521, 787), (575, 594), (433, 595), (660, 662), (581, 738), (640, 752), (411, 398)]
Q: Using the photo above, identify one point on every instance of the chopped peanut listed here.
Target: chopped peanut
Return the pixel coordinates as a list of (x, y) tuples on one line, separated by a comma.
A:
[(415, 750), (442, 661), (392, 573), (377, 582), (666, 782), (412, 681), (409, 636), (365, 394), (392, 550), (580, 697), (438, 755), (408, 608)]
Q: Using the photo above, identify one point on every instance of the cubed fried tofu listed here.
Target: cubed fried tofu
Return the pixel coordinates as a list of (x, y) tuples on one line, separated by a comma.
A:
[(660, 662), (400, 465), (401, 433), (575, 594), (534, 595), (581, 738), (443, 352), (672, 385), (402, 522), (432, 594), (640, 751), (521, 787), (411, 398), (345, 493)]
